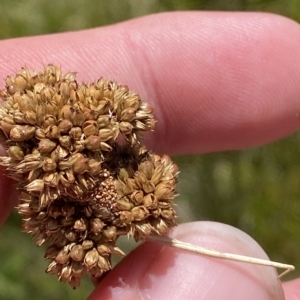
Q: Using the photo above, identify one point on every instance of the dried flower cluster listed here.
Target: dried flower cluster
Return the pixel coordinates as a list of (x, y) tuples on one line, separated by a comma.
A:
[(83, 175)]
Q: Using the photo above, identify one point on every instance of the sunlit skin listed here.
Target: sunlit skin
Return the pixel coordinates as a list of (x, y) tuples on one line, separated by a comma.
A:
[(218, 81)]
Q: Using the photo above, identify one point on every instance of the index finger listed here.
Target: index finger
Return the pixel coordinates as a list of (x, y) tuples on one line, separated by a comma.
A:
[(218, 81)]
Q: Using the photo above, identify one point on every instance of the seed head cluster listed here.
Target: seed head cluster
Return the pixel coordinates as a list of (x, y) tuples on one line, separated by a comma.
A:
[(84, 177)]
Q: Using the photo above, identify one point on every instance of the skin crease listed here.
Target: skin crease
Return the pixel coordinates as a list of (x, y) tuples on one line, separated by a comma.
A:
[(217, 81)]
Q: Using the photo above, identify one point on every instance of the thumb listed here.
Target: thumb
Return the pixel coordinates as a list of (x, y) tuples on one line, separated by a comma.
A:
[(157, 272)]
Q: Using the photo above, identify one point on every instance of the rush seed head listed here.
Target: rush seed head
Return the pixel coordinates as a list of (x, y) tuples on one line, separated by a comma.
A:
[(84, 176)]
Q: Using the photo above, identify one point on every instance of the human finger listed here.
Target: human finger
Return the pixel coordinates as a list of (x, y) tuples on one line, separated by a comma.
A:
[(218, 81), (292, 289), (155, 272)]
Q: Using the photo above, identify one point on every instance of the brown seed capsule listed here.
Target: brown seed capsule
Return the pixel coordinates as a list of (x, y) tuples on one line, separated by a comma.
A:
[(49, 165), (160, 225), (87, 244), (105, 134), (93, 143), (65, 126), (94, 166), (125, 127), (157, 175), (103, 121), (123, 204), (65, 141), (80, 225), (128, 114), (150, 201), (52, 132), (110, 233), (46, 146), (167, 214), (77, 253), (137, 197), (71, 236), (16, 152), (40, 134), (139, 213), (143, 229), (96, 225), (126, 217), (35, 186), (148, 187), (103, 250), (146, 168), (75, 133), (51, 252), (29, 117), (65, 112), (105, 147), (65, 274), (90, 128), (91, 258), (103, 264), (52, 226), (80, 165), (21, 133), (54, 268), (7, 124), (63, 256), (163, 191)]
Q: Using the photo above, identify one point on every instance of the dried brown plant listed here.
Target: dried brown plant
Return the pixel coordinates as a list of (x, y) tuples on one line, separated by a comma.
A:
[(84, 177)]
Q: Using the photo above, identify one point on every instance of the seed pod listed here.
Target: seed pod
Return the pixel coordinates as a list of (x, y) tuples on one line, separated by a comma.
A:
[(46, 146), (103, 250), (96, 225), (87, 244), (126, 217), (103, 264), (123, 204), (110, 233), (105, 134), (49, 165), (65, 126), (91, 258), (75, 133), (94, 166), (80, 165), (63, 256), (77, 253), (65, 141), (163, 191), (128, 114), (139, 213), (16, 152), (90, 128), (150, 201), (125, 127), (80, 225), (93, 143), (21, 133), (35, 186)]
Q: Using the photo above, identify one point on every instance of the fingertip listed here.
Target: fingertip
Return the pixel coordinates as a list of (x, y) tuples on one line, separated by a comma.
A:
[(156, 272)]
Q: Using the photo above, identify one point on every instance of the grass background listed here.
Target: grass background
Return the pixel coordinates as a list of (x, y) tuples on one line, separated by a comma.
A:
[(256, 190)]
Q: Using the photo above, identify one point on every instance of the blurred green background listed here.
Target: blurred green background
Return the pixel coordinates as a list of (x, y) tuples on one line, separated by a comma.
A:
[(256, 190)]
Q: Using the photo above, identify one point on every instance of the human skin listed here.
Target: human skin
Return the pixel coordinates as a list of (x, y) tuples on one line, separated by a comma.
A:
[(217, 81)]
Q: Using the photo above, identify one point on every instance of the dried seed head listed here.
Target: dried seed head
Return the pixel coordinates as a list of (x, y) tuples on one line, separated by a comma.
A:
[(84, 176)]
